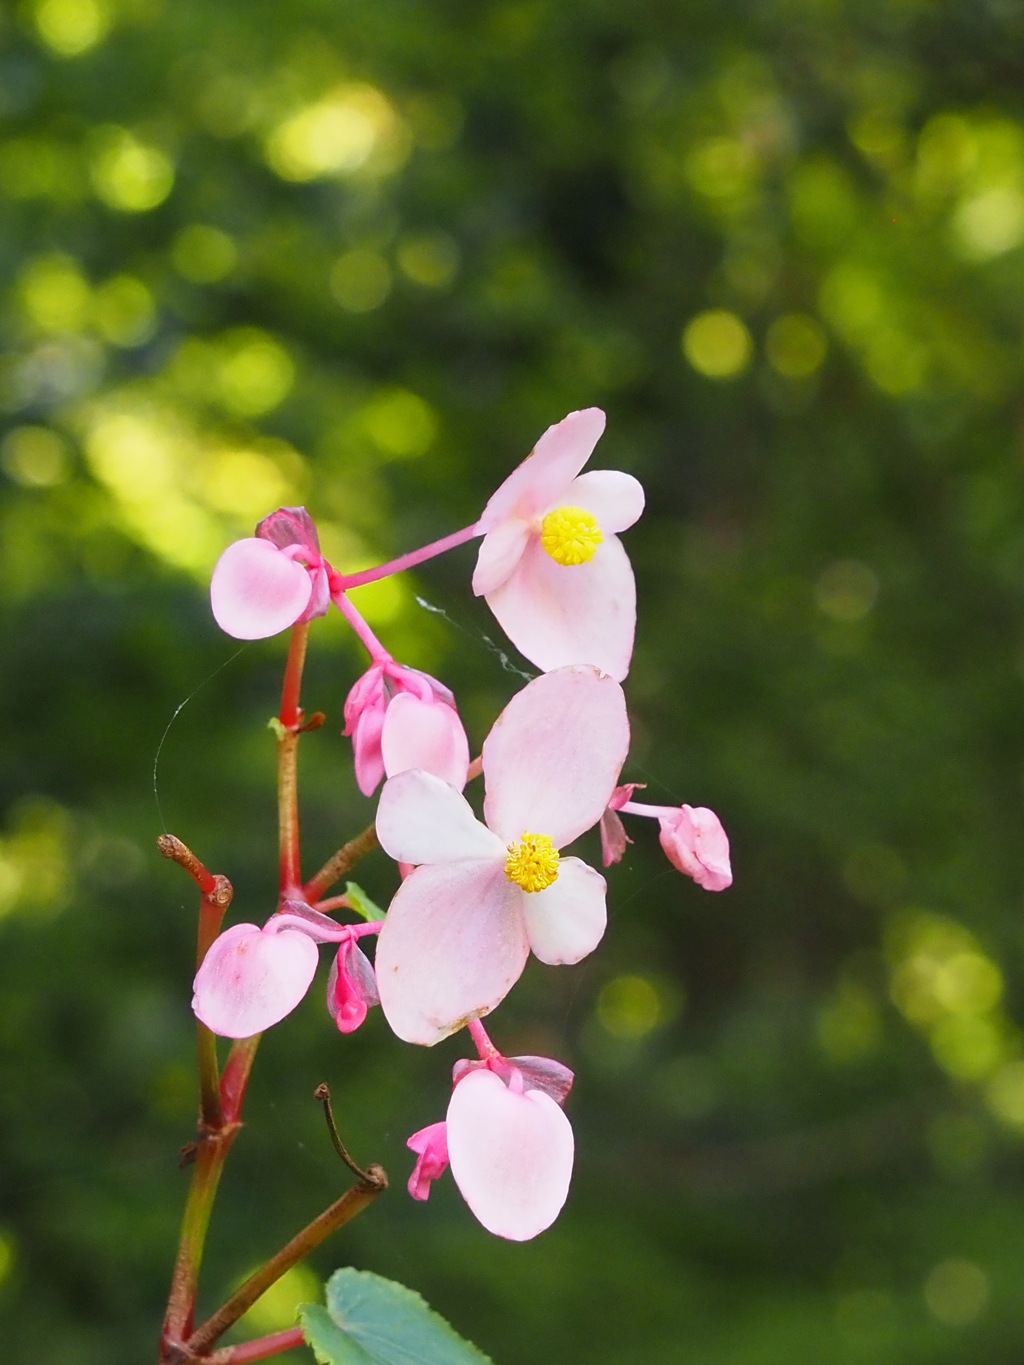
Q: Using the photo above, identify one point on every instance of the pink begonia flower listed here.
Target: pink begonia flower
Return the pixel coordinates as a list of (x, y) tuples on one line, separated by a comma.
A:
[(401, 718), (269, 581), (481, 896), (692, 837), (351, 987), (251, 978), (550, 565), (509, 1144), (695, 842)]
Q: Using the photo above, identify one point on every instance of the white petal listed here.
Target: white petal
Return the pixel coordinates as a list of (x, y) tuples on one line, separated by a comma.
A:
[(422, 819), (566, 920), (511, 1155), (452, 946), (560, 614), (615, 499), (554, 754)]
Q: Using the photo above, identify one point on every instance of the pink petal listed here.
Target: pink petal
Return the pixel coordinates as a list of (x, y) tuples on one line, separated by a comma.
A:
[(290, 526), (424, 734), (251, 978), (257, 591), (500, 552), (553, 756), (431, 1146), (511, 1155), (369, 762), (423, 819), (566, 920), (613, 837), (451, 948), (351, 987), (560, 614), (695, 842), (615, 499), (547, 471)]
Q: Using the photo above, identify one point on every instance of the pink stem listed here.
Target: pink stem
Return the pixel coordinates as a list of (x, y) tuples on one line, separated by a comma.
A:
[(484, 1046), (378, 654), (638, 808), (437, 547), (259, 1349)]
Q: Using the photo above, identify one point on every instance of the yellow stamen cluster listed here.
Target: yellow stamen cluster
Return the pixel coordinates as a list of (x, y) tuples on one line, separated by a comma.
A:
[(570, 535), (532, 863)]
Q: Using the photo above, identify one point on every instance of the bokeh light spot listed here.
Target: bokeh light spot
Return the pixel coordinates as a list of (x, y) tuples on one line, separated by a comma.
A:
[(429, 259), (990, 223), (629, 1007), (717, 344), (342, 133), (360, 280), (203, 254), (956, 1291), (795, 345), (256, 372), (278, 1307), (400, 423), (35, 457), (846, 590), (55, 294), (1004, 1094), (244, 483), (71, 27), (124, 311), (129, 175)]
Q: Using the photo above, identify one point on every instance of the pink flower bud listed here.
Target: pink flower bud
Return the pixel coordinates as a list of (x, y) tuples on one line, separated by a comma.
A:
[(695, 842), (351, 987), (265, 583), (431, 1145), (400, 718)]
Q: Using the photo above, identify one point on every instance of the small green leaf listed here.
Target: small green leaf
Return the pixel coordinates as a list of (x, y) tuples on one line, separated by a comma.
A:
[(279, 730), (372, 1321), (360, 902)]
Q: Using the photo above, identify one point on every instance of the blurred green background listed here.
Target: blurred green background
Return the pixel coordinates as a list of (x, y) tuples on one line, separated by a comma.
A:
[(360, 256)]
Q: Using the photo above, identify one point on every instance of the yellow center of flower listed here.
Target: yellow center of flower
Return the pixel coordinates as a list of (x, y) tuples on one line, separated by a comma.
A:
[(570, 535), (532, 863)]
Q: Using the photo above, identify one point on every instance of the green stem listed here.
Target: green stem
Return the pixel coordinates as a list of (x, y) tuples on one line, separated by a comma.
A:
[(353, 1201), (339, 863), (289, 719)]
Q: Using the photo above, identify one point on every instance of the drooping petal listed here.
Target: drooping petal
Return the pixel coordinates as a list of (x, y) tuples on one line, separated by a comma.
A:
[(560, 614), (615, 499), (547, 471), (500, 551), (695, 842), (566, 920), (424, 734), (431, 1147), (423, 819), (511, 1155), (351, 987), (251, 978), (554, 754), (452, 946), (613, 837), (257, 591), (369, 762)]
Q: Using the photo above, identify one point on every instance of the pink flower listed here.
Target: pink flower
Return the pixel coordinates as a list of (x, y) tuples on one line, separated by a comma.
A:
[(550, 566), (481, 896), (695, 842), (509, 1144), (251, 978), (351, 987), (401, 718), (267, 582)]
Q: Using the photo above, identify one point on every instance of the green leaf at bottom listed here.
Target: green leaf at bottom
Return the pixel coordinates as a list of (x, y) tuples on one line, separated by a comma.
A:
[(372, 1321)]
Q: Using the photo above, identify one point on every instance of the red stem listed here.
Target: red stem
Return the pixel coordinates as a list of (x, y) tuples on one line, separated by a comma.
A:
[(259, 1349)]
